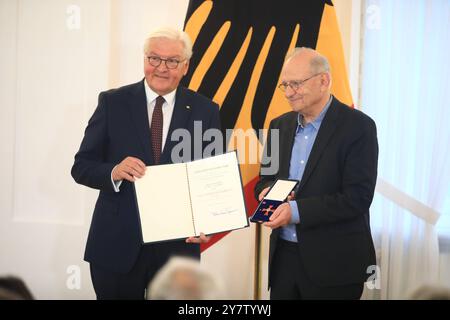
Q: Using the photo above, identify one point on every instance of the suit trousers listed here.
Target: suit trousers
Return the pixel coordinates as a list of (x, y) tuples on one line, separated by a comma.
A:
[(290, 281), (109, 285)]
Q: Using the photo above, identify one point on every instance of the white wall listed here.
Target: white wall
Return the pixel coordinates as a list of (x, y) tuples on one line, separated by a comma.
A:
[(349, 19), (56, 57)]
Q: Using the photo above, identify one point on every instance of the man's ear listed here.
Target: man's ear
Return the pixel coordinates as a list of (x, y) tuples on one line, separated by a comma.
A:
[(186, 67), (326, 80)]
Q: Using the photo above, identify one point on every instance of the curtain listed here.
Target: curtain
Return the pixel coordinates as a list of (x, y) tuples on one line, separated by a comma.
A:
[(404, 88)]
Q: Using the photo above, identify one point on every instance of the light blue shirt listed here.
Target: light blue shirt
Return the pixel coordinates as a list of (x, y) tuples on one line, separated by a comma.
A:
[(303, 143)]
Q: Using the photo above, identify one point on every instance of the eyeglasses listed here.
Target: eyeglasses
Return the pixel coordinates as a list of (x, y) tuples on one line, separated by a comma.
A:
[(295, 84), (170, 63)]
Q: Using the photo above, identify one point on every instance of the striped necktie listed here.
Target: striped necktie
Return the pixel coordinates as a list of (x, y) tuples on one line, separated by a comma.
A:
[(156, 128)]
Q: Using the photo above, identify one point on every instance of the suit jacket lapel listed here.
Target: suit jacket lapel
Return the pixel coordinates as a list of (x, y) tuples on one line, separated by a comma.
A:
[(326, 131), (180, 117), (139, 114)]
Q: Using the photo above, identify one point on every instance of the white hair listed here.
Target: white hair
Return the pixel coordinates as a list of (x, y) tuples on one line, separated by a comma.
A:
[(183, 278), (430, 292), (318, 64), (172, 34)]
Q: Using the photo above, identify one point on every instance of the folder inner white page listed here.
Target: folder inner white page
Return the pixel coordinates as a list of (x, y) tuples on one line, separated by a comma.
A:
[(216, 194), (280, 190), (164, 206)]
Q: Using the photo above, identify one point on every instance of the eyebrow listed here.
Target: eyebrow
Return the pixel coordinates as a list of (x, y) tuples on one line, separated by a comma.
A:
[(151, 53)]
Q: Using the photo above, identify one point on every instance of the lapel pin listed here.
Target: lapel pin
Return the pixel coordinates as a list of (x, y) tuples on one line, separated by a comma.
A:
[(188, 107)]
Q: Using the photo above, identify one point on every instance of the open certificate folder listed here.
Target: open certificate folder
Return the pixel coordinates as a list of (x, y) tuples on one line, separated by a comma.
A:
[(181, 200)]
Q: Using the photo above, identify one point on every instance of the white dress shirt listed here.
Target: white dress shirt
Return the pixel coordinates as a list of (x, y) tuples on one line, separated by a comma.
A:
[(167, 110)]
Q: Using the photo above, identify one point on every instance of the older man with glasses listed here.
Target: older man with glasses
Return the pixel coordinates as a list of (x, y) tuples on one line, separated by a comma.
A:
[(129, 130), (321, 245)]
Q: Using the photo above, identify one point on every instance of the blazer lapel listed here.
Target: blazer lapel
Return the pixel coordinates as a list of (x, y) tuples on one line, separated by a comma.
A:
[(139, 114), (326, 131), (180, 117)]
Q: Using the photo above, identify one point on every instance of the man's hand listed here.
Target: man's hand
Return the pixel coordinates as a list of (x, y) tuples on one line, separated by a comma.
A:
[(202, 239), (129, 169), (291, 196), (281, 216), (263, 193)]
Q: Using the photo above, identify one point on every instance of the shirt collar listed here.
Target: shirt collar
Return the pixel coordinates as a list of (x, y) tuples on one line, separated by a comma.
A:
[(152, 95), (317, 121)]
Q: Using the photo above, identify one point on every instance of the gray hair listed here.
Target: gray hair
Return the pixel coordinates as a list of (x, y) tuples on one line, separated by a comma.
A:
[(183, 278), (430, 292), (172, 34), (318, 64)]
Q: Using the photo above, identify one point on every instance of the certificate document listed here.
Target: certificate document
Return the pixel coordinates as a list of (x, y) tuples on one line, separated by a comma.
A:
[(184, 199)]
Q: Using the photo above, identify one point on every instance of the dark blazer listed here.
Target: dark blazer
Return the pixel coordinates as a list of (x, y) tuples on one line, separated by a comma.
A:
[(334, 195), (119, 128)]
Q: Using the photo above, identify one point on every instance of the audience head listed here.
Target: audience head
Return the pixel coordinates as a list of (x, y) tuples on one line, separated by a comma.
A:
[(184, 279), (13, 288), (431, 292)]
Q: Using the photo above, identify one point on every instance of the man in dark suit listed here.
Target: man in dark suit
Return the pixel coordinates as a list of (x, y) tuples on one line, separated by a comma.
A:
[(131, 129), (321, 244)]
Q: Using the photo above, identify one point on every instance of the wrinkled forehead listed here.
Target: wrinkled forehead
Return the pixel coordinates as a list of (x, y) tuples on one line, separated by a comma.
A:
[(296, 68), (165, 47)]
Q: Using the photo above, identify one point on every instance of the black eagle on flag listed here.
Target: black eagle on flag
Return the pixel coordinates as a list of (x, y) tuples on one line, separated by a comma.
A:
[(239, 50)]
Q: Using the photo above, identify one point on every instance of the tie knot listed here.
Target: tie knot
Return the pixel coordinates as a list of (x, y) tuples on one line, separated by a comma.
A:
[(159, 101)]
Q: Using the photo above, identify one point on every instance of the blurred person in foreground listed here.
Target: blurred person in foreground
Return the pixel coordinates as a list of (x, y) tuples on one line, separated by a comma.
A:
[(14, 288), (185, 279)]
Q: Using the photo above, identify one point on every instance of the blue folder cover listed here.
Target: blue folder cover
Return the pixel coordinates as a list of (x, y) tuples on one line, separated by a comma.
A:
[(267, 206), (265, 210)]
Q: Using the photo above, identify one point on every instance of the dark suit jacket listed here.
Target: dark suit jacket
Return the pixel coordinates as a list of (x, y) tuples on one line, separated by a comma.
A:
[(119, 128), (334, 195)]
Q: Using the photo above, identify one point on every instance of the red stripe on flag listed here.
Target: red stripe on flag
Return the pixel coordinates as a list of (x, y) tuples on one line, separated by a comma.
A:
[(251, 205)]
